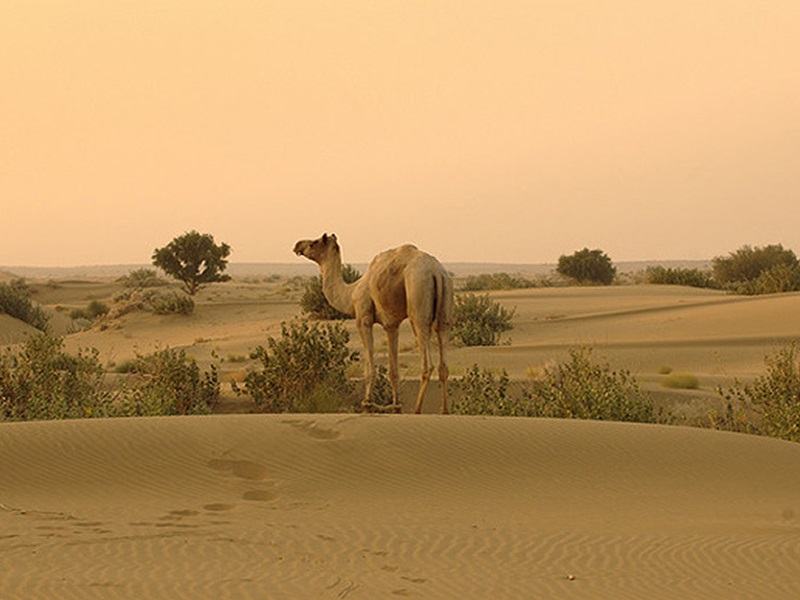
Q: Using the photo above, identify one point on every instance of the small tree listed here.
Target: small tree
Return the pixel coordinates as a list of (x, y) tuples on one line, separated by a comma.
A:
[(479, 321), (747, 264), (193, 259), (588, 266), (315, 304)]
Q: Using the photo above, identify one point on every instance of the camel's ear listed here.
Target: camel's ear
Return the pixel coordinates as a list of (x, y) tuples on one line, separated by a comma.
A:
[(324, 238), (333, 237)]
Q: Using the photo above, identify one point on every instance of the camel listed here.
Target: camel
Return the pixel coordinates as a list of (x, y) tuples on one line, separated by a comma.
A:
[(400, 283)]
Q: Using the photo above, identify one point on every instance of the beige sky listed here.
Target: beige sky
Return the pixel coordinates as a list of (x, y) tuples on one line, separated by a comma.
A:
[(508, 131)]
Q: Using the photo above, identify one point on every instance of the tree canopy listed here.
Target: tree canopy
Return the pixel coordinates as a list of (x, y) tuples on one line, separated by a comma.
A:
[(588, 266), (193, 259)]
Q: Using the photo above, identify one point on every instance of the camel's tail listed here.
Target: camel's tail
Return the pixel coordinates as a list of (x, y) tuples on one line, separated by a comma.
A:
[(442, 301)]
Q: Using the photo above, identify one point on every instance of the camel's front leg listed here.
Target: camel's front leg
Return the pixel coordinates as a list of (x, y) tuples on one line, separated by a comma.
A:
[(393, 334), (365, 330)]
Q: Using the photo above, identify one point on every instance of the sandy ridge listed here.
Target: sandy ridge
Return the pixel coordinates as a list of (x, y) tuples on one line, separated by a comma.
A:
[(385, 506)]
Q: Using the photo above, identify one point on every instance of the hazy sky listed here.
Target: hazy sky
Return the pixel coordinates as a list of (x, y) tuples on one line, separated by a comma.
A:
[(494, 131)]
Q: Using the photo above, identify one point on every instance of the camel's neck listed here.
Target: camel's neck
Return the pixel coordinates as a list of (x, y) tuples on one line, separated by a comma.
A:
[(338, 293)]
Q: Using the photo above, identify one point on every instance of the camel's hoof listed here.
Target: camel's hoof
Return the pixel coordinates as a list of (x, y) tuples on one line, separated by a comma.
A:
[(367, 407), (397, 409)]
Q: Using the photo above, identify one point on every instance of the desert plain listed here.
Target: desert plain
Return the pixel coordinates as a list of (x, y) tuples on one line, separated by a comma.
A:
[(244, 505)]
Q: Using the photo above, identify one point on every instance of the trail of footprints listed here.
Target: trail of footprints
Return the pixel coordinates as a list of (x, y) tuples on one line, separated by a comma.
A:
[(61, 525)]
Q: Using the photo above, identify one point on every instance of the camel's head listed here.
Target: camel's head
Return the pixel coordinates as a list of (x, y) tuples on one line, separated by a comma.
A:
[(317, 250)]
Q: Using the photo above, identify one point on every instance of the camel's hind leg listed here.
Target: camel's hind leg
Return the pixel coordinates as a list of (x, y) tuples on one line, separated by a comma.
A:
[(444, 372), (394, 377), (424, 342)]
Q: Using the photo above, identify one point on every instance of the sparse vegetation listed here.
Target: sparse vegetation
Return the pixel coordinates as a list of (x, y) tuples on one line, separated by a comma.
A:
[(41, 380), (142, 278), (758, 270), (94, 310), (677, 276), (193, 259), (496, 281), (173, 385), (770, 405), (681, 381), (576, 389), (171, 303), (15, 303), (479, 320), (587, 266), (313, 301), (304, 370)]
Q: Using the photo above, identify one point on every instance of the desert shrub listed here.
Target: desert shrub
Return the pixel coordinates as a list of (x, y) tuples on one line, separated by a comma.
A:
[(576, 389), (42, 381), (173, 384), (15, 303), (681, 381), (141, 278), (741, 269), (171, 303), (676, 276), (483, 392), (94, 310), (313, 301), (496, 281), (480, 321), (304, 370), (774, 280), (587, 266), (126, 366), (583, 389), (772, 399)]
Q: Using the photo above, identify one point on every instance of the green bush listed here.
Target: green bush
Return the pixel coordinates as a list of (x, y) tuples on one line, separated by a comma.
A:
[(681, 381), (676, 276), (479, 321), (173, 385), (576, 389), (42, 381), (313, 301), (305, 370), (171, 303), (740, 270), (587, 266), (142, 278), (774, 280), (94, 310), (15, 303), (482, 392), (496, 281), (772, 401)]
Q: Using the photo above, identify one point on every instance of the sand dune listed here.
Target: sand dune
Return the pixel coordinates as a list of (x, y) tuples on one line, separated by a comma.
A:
[(343, 506)]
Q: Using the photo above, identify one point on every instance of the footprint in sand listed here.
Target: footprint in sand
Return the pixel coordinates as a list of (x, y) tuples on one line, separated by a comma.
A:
[(244, 469), (219, 507), (310, 427), (259, 495)]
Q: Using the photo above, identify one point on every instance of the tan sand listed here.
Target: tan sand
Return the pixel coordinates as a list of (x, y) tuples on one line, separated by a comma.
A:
[(338, 506), (344, 506)]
